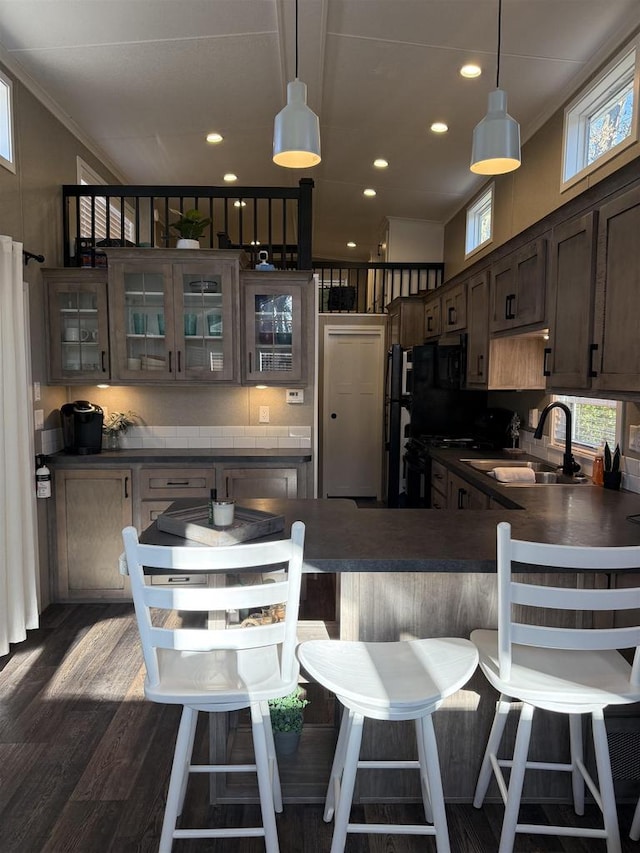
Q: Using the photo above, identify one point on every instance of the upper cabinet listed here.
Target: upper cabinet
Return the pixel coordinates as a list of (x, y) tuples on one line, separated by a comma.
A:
[(518, 288), (478, 330), (616, 359), (173, 315), (278, 311), (454, 309), (77, 325), (406, 321), (432, 316), (570, 353)]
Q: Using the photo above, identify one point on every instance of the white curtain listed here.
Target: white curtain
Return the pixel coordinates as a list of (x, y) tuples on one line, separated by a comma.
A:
[(18, 553)]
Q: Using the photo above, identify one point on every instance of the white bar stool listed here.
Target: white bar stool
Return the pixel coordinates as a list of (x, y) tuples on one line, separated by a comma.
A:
[(388, 681)]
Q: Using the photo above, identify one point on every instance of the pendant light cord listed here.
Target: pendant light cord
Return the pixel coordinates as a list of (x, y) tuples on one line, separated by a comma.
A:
[(499, 40), (297, 39)]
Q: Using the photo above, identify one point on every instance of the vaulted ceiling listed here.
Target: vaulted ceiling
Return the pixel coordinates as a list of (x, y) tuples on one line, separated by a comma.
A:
[(145, 80)]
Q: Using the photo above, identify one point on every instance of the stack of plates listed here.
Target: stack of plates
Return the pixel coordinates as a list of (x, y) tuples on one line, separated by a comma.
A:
[(150, 362)]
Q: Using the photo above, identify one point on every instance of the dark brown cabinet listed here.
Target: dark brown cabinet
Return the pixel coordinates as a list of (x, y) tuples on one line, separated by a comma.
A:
[(406, 321), (518, 288), (454, 309), (432, 316), (478, 330)]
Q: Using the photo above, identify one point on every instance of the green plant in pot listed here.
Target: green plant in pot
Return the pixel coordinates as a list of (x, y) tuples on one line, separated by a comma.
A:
[(190, 226), (286, 720)]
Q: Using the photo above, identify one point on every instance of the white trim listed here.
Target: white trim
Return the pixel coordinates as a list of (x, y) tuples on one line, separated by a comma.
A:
[(9, 163), (474, 210)]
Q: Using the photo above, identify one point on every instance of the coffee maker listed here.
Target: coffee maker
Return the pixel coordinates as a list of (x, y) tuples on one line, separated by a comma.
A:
[(81, 427)]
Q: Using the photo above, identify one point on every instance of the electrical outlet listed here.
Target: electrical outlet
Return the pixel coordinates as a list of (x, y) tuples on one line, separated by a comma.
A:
[(36, 392), (263, 416)]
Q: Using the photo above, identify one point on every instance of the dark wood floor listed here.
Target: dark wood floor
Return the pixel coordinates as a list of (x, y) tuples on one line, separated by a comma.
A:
[(84, 760)]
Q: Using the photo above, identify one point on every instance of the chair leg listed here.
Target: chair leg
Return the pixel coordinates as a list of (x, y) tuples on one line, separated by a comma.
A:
[(577, 780), (516, 780), (605, 781), (273, 760), (178, 779), (352, 752), (503, 706), (333, 789), (634, 832), (263, 770), (424, 778), (435, 785)]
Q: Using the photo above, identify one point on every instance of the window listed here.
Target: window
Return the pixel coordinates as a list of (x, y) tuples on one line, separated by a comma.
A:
[(6, 124), (98, 219), (593, 422), (602, 120), (479, 222)]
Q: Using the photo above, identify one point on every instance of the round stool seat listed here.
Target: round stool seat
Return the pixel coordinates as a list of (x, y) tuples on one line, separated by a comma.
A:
[(391, 681)]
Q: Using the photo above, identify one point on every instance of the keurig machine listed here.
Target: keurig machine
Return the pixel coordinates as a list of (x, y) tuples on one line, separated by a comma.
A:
[(81, 427)]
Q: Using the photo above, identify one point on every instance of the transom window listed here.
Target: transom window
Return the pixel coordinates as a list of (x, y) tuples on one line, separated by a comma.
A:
[(480, 222), (7, 158), (602, 120), (593, 422)]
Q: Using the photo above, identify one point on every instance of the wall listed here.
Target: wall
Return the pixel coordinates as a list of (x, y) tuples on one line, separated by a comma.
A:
[(527, 195), (413, 240)]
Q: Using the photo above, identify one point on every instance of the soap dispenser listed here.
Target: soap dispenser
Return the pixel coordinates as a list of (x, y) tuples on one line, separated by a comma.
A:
[(598, 468)]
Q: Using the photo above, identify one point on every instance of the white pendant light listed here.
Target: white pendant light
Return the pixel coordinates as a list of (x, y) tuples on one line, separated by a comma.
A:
[(296, 130), (496, 139)]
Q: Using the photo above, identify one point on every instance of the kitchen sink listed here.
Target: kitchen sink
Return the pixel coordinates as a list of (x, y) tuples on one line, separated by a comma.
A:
[(545, 474)]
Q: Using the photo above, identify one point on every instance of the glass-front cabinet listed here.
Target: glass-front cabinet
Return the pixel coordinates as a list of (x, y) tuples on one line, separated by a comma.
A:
[(77, 325), (275, 315), (173, 319)]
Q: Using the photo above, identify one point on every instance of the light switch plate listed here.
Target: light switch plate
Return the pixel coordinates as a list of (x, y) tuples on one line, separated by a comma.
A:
[(38, 418), (36, 392), (295, 395)]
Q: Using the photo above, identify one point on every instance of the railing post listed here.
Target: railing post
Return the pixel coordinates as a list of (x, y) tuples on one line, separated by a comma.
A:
[(304, 223)]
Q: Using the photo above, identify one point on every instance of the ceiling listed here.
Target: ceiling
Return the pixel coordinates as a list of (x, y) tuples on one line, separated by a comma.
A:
[(144, 81)]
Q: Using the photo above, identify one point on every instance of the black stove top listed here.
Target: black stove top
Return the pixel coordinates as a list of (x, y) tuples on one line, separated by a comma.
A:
[(419, 445)]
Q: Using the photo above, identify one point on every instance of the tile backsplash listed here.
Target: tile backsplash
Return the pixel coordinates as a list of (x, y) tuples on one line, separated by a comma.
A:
[(184, 437)]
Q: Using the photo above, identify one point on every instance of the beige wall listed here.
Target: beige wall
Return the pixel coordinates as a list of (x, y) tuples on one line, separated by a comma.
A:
[(525, 196)]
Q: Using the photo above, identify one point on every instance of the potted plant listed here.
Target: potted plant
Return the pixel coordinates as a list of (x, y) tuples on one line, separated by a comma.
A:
[(612, 475), (286, 720), (115, 425), (190, 226)]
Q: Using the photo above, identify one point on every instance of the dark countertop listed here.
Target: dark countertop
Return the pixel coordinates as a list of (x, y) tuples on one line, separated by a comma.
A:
[(179, 456), (340, 537)]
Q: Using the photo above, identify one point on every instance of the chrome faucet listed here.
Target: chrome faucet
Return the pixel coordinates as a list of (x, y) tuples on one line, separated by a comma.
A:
[(569, 466)]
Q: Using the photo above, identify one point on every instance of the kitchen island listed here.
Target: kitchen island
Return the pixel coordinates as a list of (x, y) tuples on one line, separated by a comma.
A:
[(416, 573)]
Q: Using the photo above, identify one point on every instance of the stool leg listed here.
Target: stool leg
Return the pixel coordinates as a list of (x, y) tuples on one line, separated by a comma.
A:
[(185, 778), (424, 779), (634, 833), (577, 780), (178, 778), (435, 785), (333, 789), (273, 761), (263, 771), (352, 753), (516, 780), (605, 781), (503, 706)]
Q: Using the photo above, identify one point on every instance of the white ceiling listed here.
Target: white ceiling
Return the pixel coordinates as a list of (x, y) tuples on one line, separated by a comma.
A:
[(145, 80)]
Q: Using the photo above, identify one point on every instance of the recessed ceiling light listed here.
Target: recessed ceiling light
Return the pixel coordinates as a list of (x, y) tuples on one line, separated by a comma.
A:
[(230, 177), (439, 127), (369, 193), (351, 244), (214, 138), (471, 70), (239, 203), (380, 163)]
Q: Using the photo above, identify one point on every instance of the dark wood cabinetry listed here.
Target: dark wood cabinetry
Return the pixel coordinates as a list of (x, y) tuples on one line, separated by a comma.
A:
[(518, 288), (478, 330), (406, 321)]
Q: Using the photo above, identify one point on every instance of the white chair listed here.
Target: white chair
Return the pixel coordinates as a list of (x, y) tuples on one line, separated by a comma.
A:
[(406, 680), (219, 670), (572, 671)]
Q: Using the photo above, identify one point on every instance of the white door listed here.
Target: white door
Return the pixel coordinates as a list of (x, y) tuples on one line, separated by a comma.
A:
[(353, 411)]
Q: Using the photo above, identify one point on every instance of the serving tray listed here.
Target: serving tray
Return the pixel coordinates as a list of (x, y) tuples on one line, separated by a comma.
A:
[(193, 523)]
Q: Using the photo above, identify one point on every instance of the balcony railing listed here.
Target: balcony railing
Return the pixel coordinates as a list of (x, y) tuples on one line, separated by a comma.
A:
[(275, 219)]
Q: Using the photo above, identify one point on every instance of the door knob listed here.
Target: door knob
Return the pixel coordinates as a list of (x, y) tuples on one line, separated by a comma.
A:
[(333, 415)]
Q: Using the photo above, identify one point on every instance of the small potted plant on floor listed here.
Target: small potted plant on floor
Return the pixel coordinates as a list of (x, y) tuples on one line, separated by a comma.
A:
[(286, 720), (190, 226)]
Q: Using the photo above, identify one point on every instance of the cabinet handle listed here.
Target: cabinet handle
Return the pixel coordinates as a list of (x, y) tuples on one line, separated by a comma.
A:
[(461, 494), (430, 323), (102, 360), (186, 579), (227, 486), (509, 313), (452, 315), (438, 476), (179, 361), (250, 368), (170, 360), (126, 487), (177, 482), (592, 348), (480, 365), (545, 366)]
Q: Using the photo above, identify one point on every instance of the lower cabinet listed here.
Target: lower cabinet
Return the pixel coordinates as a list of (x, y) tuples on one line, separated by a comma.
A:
[(462, 495), (238, 483), (92, 507)]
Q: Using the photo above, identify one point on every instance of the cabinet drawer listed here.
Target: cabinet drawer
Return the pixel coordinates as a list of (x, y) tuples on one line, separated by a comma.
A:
[(178, 580), (438, 476), (176, 483)]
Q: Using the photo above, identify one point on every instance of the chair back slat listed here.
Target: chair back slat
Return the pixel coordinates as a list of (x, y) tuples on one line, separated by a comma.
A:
[(284, 555), (514, 556)]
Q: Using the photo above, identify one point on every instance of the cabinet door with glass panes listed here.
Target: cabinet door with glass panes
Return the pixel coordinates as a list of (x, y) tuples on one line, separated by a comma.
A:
[(275, 312), (77, 325), (174, 320)]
